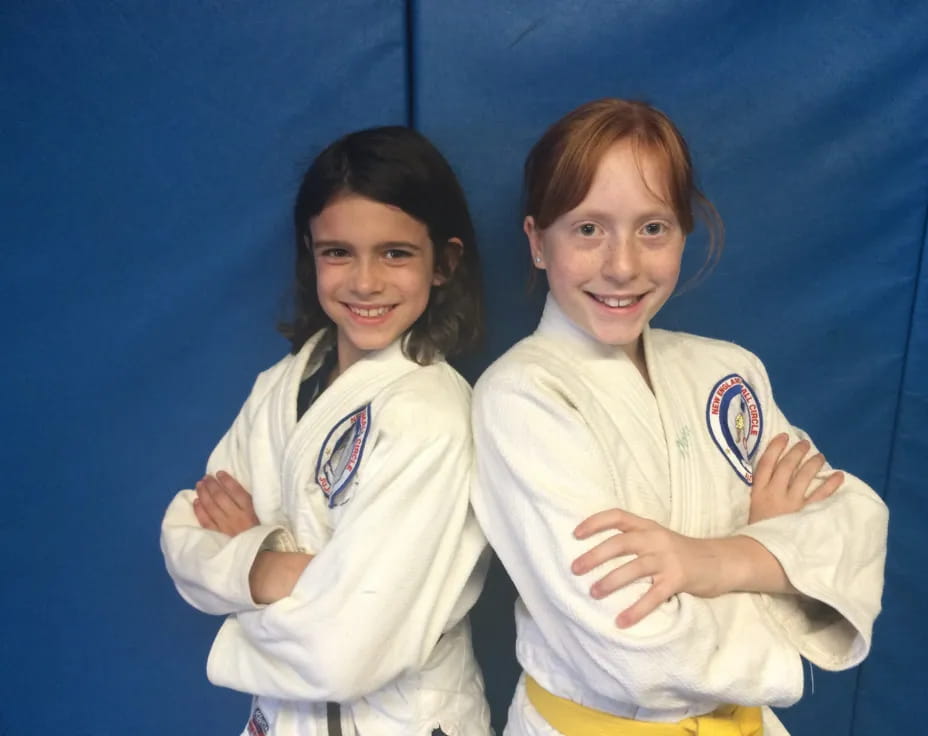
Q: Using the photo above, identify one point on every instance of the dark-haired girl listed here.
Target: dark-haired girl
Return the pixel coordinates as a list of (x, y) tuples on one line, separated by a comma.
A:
[(332, 528), (677, 545)]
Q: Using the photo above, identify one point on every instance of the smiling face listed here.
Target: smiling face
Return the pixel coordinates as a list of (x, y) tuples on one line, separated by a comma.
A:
[(374, 272), (614, 259)]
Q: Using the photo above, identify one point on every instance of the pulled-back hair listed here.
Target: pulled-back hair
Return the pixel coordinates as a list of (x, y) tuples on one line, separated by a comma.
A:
[(559, 169), (396, 166)]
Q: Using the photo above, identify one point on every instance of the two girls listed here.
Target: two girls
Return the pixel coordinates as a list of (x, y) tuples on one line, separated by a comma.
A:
[(332, 528), (734, 558)]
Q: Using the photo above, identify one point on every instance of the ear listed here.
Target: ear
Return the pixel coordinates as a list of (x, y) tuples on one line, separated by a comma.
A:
[(451, 257), (534, 242)]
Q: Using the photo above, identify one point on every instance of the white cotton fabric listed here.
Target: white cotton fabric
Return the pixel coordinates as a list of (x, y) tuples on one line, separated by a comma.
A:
[(566, 427), (377, 622)]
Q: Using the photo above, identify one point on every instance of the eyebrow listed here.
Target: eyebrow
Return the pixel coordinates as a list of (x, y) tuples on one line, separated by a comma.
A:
[(385, 244), (606, 215)]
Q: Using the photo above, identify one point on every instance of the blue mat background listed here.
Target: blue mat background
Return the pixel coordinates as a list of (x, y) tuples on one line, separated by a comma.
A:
[(148, 159)]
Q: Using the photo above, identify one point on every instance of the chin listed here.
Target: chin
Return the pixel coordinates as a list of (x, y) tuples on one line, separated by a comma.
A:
[(615, 339), (370, 346)]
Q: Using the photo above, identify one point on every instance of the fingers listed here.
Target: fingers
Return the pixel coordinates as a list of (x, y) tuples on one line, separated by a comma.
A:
[(644, 605), (637, 569), (205, 520), (616, 546), (609, 519), (806, 474), (787, 465), (215, 498), (768, 461), (224, 504), (831, 484), (234, 489), (205, 498)]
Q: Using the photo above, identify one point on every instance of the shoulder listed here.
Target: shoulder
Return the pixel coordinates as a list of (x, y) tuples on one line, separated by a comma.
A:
[(268, 379), (533, 366), (429, 399), (286, 370), (708, 353)]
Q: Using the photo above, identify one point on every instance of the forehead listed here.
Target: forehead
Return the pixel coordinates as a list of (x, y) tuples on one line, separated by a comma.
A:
[(356, 219), (632, 175)]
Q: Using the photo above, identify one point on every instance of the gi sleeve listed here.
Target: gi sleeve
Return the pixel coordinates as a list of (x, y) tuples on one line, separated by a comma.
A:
[(373, 603), (833, 552), (210, 569), (540, 471)]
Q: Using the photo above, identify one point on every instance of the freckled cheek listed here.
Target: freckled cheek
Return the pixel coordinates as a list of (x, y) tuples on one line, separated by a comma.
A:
[(666, 265), (568, 266)]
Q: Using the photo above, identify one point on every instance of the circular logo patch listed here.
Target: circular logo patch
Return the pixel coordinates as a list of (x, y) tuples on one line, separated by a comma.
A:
[(735, 423), (341, 454)]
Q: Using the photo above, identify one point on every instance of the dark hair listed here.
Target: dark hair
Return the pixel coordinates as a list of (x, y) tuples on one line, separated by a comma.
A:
[(559, 169), (396, 166)]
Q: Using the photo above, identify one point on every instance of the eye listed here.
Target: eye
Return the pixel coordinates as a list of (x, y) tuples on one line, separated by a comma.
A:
[(333, 253), (653, 229), (587, 229), (397, 254)]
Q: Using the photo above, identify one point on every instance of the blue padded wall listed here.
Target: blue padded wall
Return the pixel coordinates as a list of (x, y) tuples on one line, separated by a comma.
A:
[(149, 154), (891, 695), (807, 127), (148, 158)]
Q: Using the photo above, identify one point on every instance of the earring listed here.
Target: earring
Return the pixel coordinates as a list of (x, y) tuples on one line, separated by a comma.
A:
[(537, 259)]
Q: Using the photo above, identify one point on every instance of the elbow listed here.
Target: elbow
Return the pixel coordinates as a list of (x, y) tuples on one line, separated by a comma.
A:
[(191, 590), (201, 599), (882, 518), (345, 668)]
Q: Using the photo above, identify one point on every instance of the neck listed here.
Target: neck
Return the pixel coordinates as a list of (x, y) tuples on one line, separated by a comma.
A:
[(636, 354)]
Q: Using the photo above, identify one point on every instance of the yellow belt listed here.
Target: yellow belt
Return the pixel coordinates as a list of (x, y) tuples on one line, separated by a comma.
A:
[(573, 719)]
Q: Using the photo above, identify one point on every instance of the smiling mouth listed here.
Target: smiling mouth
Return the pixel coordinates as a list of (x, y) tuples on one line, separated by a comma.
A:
[(617, 302), (370, 311)]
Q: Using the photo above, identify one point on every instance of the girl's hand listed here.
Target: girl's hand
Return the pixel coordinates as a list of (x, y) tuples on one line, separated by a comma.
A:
[(223, 505), (675, 563), (781, 484)]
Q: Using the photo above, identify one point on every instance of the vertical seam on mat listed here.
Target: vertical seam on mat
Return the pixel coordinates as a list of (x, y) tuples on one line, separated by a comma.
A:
[(902, 386), (410, 64)]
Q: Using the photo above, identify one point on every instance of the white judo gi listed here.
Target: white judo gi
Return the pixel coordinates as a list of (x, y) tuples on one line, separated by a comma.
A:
[(565, 427), (373, 480)]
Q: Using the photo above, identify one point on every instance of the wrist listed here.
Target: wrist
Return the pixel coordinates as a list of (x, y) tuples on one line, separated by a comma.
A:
[(737, 563), (731, 562), (257, 577), (754, 569), (274, 574)]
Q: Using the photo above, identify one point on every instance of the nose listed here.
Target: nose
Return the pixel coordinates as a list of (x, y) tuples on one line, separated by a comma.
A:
[(621, 260), (367, 277)]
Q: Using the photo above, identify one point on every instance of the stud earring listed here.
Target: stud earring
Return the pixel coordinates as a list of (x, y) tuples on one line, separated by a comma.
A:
[(537, 259)]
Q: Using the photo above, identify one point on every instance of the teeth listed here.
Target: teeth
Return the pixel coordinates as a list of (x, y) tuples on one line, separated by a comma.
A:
[(612, 301), (375, 312)]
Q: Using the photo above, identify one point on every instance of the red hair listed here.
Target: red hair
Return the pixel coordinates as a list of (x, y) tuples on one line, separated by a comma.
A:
[(559, 169)]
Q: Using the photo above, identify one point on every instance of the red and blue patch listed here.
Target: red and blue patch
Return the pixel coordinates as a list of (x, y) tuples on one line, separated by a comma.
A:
[(736, 423), (341, 455), (257, 724)]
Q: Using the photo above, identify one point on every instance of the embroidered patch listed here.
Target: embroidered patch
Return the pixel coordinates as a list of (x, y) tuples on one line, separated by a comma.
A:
[(257, 725), (341, 455), (736, 423)]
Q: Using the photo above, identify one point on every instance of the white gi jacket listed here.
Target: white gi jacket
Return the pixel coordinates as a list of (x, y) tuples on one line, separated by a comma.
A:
[(565, 427), (373, 480)]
